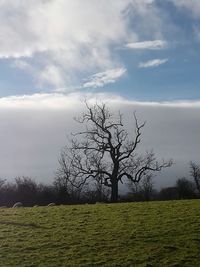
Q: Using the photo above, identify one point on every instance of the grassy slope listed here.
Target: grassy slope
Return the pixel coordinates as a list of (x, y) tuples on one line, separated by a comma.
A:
[(136, 234)]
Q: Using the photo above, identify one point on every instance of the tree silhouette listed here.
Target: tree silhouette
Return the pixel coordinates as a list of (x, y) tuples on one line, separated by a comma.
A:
[(105, 150)]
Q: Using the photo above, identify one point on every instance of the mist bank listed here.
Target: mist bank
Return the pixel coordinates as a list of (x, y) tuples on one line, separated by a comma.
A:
[(34, 128)]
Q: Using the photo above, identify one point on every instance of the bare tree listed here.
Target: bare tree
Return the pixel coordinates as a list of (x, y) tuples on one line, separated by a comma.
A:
[(105, 151), (147, 187), (66, 179), (195, 173), (143, 190)]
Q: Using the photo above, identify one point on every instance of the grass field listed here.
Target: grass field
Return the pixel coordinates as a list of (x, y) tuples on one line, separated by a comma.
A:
[(130, 234)]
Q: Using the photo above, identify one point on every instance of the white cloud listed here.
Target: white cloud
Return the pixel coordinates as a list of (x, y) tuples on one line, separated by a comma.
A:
[(62, 101), (153, 45), (72, 39), (65, 36), (102, 78), (52, 75), (153, 63)]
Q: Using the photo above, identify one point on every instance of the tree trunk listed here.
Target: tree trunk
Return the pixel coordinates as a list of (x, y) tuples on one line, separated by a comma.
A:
[(114, 191)]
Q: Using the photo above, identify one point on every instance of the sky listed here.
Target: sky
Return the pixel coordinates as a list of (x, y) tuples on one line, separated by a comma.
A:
[(134, 54)]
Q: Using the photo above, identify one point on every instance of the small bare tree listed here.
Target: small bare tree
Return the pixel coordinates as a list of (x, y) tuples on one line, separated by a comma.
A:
[(105, 151), (142, 190), (66, 181), (195, 173), (147, 187)]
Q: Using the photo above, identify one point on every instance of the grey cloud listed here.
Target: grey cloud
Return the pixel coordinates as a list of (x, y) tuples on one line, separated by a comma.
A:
[(33, 133)]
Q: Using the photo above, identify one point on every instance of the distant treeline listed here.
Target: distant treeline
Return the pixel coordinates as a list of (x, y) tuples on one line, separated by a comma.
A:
[(182, 189), (30, 193)]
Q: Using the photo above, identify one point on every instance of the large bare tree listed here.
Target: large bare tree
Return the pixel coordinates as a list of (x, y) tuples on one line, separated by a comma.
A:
[(105, 150)]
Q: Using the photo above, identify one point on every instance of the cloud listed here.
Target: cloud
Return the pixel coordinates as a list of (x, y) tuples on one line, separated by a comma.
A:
[(21, 64), (72, 39), (52, 75), (103, 78), (192, 5), (63, 36), (61, 101), (41, 123), (153, 45), (191, 9), (153, 63)]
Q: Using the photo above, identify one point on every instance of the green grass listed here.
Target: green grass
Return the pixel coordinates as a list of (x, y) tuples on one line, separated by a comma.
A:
[(130, 234)]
